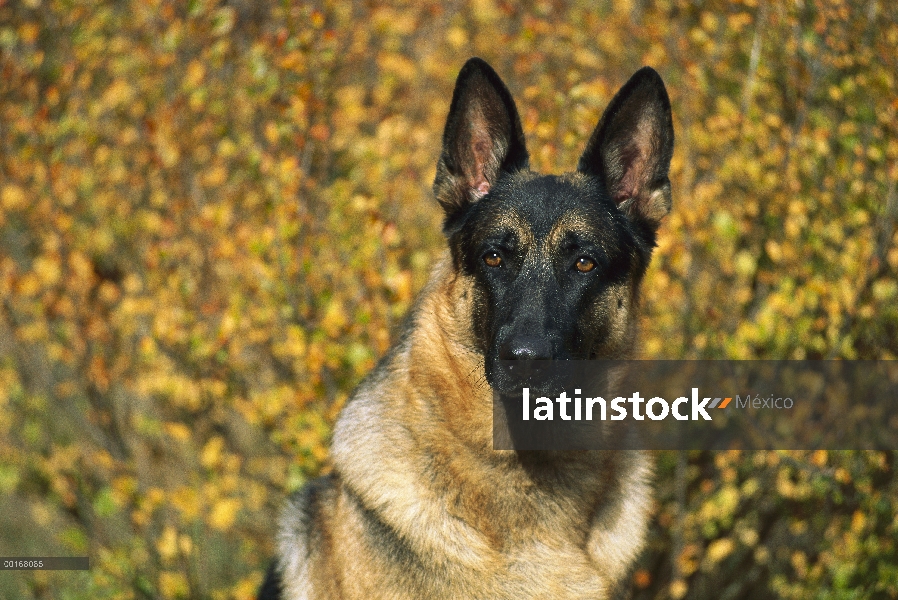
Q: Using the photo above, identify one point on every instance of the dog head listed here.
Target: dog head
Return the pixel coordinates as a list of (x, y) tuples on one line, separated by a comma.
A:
[(553, 262)]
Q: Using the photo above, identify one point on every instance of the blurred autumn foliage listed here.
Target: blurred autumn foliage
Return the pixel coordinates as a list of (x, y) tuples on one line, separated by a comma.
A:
[(214, 213)]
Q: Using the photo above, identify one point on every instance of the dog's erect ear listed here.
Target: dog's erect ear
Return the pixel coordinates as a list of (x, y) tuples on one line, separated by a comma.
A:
[(631, 148), (482, 139)]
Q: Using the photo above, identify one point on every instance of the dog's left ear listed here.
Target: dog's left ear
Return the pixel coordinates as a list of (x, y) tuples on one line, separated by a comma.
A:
[(631, 148), (483, 139)]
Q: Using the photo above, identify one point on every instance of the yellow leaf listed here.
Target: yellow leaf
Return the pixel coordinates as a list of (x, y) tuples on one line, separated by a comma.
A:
[(720, 549), (186, 500), (29, 32), (334, 317), (401, 66), (678, 589), (215, 176), (117, 94), (167, 544), (172, 585), (178, 431), (858, 521), (47, 270), (224, 513), (195, 74), (185, 544), (211, 454), (456, 37), (247, 588), (12, 197)]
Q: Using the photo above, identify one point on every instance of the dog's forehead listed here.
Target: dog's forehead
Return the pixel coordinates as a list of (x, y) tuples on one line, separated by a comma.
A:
[(552, 206)]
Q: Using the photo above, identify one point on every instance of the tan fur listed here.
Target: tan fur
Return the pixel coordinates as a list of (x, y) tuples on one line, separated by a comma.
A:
[(421, 506)]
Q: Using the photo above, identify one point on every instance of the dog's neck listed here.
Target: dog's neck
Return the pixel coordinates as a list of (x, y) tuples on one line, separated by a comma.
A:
[(457, 390)]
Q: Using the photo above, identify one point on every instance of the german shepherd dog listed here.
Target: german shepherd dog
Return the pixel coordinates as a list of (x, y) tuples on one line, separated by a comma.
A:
[(419, 505)]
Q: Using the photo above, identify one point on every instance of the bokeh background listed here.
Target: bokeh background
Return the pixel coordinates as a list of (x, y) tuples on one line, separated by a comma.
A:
[(213, 214)]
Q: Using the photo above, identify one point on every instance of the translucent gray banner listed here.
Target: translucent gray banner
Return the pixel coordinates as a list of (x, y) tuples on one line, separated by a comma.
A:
[(697, 405)]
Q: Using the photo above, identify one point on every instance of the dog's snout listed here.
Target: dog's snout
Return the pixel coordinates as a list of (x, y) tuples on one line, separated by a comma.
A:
[(526, 348)]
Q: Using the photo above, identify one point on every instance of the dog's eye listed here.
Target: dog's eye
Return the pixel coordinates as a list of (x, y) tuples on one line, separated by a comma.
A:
[(585, 264), (492, 259)]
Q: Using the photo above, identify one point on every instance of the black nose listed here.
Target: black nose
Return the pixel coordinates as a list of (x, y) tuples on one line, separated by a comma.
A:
[(526, 347)]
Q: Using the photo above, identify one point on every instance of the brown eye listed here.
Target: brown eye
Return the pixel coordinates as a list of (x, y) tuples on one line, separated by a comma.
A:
[(585, 265), (492, 259)]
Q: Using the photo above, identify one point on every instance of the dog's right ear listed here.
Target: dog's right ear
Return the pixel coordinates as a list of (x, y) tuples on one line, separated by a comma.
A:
[(483, 139)]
